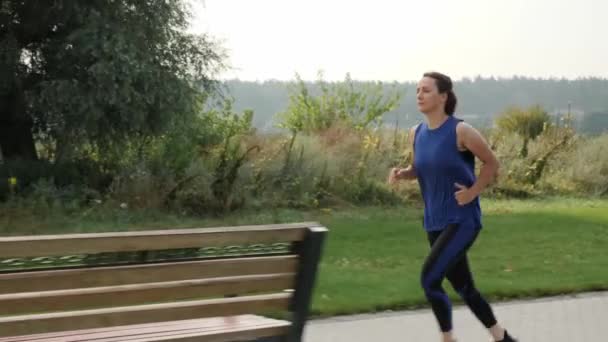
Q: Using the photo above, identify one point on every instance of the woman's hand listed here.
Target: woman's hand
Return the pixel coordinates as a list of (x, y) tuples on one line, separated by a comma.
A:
[(470, 139), (397, 174), (393, 175), (464, 195)]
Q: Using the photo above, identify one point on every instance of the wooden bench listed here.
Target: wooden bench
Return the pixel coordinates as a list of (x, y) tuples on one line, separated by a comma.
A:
[(212, 284)]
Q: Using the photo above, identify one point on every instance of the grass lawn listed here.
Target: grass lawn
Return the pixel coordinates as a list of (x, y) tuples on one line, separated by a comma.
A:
[(373, 256)]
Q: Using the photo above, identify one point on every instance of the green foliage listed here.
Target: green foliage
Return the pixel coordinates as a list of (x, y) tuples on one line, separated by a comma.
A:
[(195, 166), (99, 73), (357, 105), (548, 153), (232, 129), (557, 140), (82, 174), (583, 170), (528, 124), (479, 99), (336, 153), (217, 149)]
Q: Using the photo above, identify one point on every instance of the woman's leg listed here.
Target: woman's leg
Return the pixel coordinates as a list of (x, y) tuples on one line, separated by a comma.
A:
[(448, 247), (461, 278)]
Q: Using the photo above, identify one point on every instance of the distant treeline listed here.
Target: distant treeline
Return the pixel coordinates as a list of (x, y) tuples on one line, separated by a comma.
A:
[(480, 100)]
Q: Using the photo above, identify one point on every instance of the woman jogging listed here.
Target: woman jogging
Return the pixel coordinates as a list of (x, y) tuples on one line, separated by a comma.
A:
[(444, 151)]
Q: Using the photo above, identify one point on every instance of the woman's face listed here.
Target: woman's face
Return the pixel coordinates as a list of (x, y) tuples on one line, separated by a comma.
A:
[(428, 97)]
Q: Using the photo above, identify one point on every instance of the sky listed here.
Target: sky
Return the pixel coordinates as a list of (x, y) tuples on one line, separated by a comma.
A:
[(398, 40)]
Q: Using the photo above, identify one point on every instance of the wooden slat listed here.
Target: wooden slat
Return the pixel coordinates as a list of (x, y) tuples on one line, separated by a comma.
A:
[(77, 299), (208, 327), (148, 273), (205, 327), (68, 244), (129, 329), (238, 333), (90, 319)]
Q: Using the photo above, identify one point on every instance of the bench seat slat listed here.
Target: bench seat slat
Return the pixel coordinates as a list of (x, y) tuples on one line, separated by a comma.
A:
[(218, 328), (89, 319), (127, 329), (246, 333), (77, 299), (145, 273)]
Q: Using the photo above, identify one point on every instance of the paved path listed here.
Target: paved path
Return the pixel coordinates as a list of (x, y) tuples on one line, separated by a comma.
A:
[(580, 318)]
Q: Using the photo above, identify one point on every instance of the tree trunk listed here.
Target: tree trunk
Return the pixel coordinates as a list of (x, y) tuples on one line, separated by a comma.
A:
[(17, 141), (16, 137), (524, 150)]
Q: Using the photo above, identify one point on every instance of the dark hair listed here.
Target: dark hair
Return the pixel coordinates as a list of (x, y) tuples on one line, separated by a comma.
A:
[(444, 84)]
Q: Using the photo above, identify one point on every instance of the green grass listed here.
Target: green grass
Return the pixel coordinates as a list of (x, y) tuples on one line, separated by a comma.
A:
[(373, 256), (527, 249)]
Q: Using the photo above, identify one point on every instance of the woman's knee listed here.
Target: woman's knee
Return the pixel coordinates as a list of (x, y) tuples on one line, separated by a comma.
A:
[(428, 282), (466, 291)]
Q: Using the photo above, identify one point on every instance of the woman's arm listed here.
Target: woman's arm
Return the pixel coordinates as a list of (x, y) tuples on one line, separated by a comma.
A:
[(408, 173), (469, 138)]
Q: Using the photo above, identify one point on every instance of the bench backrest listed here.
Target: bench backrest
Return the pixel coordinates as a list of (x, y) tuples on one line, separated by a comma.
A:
[(81, 281)]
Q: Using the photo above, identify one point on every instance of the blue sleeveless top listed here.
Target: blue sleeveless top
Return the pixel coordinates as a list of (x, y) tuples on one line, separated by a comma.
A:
[(439, 164)]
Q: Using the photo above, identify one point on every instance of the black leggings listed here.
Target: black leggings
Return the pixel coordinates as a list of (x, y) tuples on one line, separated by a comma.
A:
[(448, 259)]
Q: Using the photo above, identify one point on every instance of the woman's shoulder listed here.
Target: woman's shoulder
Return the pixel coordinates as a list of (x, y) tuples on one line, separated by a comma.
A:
[(412, 133), (415, 128), (463, 127)]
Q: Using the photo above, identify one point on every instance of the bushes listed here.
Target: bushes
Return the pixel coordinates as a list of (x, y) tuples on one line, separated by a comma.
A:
[(216, 162), (584, 170), (316, 171)]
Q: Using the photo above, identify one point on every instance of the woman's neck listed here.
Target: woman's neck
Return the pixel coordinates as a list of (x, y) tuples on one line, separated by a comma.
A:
[(436, 119)]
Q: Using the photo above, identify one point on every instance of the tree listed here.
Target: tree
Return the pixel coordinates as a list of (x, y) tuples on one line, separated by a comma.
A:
[(528, 124), (356, 105), (97, 72)]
